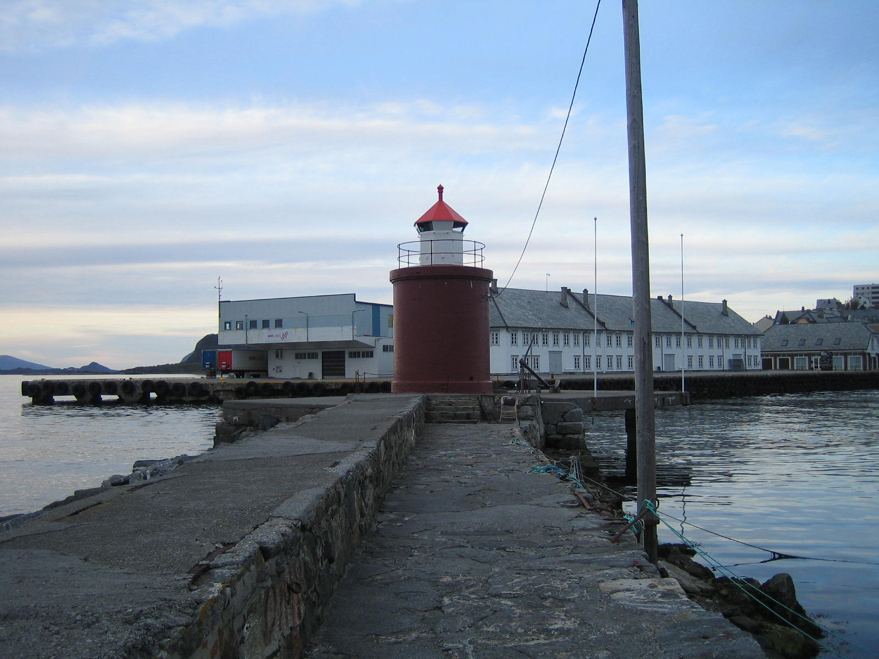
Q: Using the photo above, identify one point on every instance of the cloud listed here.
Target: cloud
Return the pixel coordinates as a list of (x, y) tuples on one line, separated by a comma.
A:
[(42, 24)]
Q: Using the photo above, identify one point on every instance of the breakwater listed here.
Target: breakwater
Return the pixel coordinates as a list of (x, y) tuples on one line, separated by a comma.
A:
[(701, 386)]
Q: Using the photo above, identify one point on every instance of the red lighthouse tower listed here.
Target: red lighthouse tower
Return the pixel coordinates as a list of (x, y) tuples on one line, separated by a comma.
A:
[(441, 294)]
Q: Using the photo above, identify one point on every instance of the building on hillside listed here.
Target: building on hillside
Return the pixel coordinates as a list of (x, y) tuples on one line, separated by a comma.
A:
[(566, 332), (846, 346), (867, 293), (313, 337)]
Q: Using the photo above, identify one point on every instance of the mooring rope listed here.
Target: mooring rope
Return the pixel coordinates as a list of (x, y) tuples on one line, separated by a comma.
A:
[(740, 583)]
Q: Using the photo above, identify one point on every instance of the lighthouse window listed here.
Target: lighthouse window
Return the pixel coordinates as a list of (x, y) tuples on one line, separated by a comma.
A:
[(514, 338), (495, 338)]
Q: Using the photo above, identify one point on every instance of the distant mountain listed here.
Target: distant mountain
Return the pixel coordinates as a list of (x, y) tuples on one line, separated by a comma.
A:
[(8, 363), (14, 365)]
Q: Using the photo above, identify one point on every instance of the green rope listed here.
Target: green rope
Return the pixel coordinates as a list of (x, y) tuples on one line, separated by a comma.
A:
[(740, 583)]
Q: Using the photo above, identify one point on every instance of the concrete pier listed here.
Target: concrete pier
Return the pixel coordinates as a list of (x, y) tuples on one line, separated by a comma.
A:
[(239, 552)]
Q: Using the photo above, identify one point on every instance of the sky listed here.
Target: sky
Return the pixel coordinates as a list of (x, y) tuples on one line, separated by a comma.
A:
[(148, 148)]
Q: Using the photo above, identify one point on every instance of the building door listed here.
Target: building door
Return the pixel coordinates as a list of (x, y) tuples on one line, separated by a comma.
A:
[(555, 362), (668, 362), (333, 364)]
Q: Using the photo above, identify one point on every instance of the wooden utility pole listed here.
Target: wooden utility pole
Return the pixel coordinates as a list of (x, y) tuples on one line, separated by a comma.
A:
[(644, 417)]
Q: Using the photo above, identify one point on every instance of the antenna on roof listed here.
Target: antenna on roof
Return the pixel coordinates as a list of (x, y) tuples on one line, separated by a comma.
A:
[(219, 288)]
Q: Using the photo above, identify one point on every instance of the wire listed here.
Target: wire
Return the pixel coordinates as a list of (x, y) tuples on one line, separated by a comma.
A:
[(558, 149)]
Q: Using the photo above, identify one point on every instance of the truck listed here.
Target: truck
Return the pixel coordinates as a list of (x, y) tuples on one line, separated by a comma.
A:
[(238, 363)]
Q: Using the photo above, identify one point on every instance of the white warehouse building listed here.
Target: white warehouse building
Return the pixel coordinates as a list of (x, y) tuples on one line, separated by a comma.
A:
[(313, 337), (562, 332)]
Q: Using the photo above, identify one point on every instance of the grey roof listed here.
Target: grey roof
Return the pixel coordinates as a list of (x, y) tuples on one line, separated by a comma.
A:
[(852, 336), (521, 308)]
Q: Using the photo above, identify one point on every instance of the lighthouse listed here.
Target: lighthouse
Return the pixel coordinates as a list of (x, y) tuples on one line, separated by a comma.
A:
[(441, 297)]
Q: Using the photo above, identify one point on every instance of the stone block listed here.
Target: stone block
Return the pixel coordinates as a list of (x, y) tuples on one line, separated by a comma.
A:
[(569, 428), (573, 415)]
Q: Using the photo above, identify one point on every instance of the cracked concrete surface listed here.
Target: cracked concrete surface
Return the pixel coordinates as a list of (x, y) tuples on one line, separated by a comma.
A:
[(474, 557)]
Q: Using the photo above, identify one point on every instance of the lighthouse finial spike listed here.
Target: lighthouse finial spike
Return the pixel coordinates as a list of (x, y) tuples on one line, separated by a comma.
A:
[(439, 189)]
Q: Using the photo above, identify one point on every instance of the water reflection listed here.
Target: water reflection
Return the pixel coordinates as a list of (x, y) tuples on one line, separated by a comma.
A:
[(792, 475)]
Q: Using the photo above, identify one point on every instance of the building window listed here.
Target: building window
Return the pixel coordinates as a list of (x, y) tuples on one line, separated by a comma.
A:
[(818, 342), (783, 342), (837, 341), (555, 338), (300, 356), (514, 363), (598, 362), (495, 338), (689, 341), (668, 341), (586, 340), (279, 354), (657, 341), (801, 342), (390, 321), (855, 363), (701, 362), (360, 354), (631, 363), (690, 362), (587, 363), (699, 341), (610, 362), (535, 362), (227, 325), (388, 347), (710, 361), (720, 361), (239, 324), (619, 362), (608, 340), (566, 339), (265, 324), (252, 324), (726, 343), (576, 362), (577, 340), (801, 363), (630, 340), (514, 338), (545, 338), (677, 340), (838, 363), (279, 323), (619, 340), (736, 342), (710, 341)]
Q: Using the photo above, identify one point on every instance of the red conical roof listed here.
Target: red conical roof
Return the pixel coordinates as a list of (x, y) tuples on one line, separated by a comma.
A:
[(441, 211)]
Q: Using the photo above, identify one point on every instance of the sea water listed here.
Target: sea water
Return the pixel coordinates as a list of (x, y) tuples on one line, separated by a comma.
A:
[(48, 451), (791, 474)]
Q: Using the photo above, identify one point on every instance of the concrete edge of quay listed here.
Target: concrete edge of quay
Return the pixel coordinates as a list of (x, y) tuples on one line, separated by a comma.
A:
[(269, 593)]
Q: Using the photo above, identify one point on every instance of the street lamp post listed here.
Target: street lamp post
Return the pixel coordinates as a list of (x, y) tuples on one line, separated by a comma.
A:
[(306, 325)]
